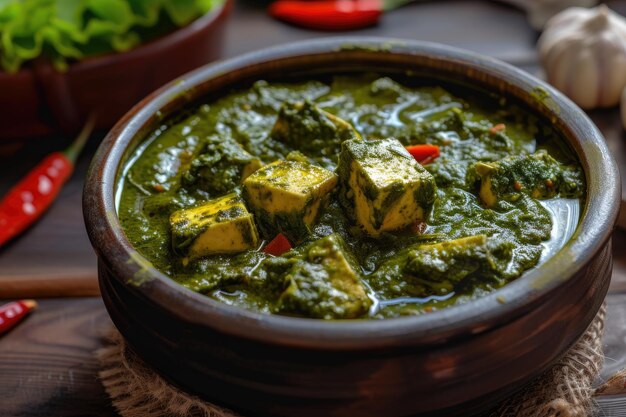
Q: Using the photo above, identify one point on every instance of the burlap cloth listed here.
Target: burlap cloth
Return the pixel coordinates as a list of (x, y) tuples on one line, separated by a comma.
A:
[(565, 390)]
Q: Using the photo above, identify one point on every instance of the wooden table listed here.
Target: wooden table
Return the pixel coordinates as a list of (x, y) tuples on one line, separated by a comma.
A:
[(46, 364)]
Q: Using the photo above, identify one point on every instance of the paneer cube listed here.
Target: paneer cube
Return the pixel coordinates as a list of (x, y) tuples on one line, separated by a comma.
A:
[(322, 283), (286, 197), (383, 188), (220, 166), (453, 260), (538, 175), (306, 127), (423, 270), (220, 226)]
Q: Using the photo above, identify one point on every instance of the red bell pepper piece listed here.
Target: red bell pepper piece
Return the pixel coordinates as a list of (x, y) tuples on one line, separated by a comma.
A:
[(279, 245), (31, 197), (424, 154), (13, 313)]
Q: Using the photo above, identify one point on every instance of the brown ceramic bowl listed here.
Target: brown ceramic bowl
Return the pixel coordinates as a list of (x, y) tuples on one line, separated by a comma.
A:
[(455, 361), (39, 100)]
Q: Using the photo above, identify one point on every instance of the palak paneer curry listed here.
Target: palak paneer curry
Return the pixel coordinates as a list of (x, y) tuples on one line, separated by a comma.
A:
[(316, 199)]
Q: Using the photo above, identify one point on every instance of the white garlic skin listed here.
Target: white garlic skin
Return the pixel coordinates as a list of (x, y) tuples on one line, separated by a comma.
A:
[(583, 52)]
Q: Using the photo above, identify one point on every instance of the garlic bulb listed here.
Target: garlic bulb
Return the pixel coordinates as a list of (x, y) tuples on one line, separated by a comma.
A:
[(540, 11), (583, 52)]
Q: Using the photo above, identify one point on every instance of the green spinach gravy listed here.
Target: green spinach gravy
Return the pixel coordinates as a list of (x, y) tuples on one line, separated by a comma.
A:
[(324, 166)]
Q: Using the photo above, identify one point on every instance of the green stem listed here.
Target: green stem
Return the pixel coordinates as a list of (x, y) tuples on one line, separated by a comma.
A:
[(77, 146), (394, 4)]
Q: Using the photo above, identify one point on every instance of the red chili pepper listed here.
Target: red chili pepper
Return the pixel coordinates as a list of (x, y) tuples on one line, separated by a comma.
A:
[(424, 154), (328, 14), (32, 196), (278, 246), (332, 14), (13, 313)]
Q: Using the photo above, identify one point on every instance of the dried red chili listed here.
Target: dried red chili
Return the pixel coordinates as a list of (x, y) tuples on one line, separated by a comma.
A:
[(279, 245), (424, 154), (32, 196), (332, 14), (13, 313)]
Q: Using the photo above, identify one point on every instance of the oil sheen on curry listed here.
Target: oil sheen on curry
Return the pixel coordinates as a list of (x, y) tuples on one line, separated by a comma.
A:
[(353, 197)]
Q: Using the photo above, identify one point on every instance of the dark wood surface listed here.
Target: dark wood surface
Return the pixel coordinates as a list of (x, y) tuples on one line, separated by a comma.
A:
[(46, 364)]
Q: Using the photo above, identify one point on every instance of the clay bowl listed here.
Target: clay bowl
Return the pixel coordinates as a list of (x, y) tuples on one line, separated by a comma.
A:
[(455, 361), (38, 100)]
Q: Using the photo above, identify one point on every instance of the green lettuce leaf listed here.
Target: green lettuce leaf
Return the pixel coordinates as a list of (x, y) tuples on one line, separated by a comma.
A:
[(66, 30)]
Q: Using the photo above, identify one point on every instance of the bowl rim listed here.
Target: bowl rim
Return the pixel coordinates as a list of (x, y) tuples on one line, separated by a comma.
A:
[(164, 40), (136, 273)]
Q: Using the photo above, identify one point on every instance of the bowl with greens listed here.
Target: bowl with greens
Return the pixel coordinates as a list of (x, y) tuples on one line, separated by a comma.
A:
[(61, 61), (353, 226)]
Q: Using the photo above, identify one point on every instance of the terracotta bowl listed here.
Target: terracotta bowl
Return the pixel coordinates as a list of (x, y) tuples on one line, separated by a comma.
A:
[(455, 361), (39, 100)]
